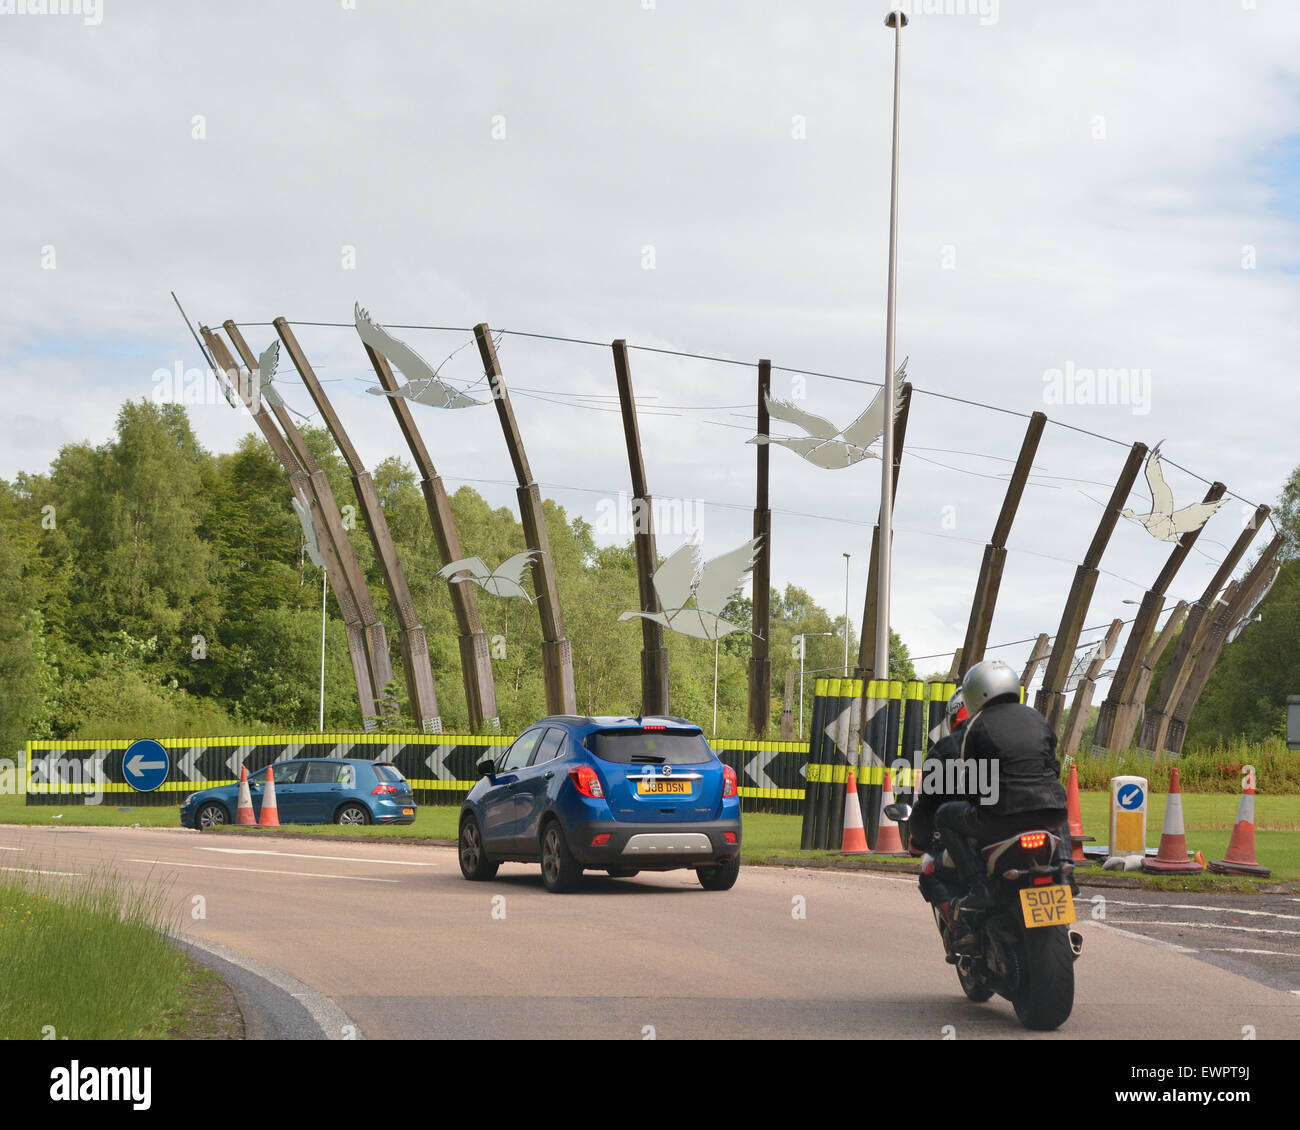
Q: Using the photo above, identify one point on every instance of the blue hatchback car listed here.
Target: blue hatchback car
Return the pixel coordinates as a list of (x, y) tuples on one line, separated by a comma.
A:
[(308, 791), (620, 795)]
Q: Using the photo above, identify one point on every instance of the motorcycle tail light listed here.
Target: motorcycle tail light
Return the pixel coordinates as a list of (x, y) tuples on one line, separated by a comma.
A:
[(1042, 880), (1031, 840)]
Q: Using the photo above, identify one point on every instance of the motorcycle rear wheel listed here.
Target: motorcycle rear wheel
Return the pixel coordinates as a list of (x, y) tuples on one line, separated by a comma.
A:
[(975, 990), (1045, 997)]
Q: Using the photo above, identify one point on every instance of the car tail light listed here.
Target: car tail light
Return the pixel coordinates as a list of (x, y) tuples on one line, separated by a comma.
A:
[(601, 840), (1031, 840), (586, 782), (383, 789), (729, 837), (654, 727), (729, 781)]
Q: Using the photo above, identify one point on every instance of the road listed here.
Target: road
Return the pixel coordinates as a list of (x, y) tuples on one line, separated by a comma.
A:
[(407, 949)]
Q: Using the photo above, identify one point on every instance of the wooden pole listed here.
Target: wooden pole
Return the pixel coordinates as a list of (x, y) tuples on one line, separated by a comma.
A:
[(1155, 724), (557, 655), (995, 552), (654, 656), (1050, 700), (411, 638), (760, 662), (1036, 657), (1078, 718), (475, 652), (1124, 684), (1130, 713), (363, 670)]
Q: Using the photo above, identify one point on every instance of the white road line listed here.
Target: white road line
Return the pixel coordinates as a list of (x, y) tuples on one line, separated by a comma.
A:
[(34, 871), (1201, 907), (1266, 953), (10, 849), (1220, 926), (297, 855), (262, 871)]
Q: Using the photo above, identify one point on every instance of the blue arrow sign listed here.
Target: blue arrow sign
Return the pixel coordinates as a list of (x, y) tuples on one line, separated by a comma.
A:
[(1129, 797), (145, 765)]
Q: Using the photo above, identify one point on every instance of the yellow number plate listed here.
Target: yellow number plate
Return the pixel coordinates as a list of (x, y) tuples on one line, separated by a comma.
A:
[(663, 788), (408, 812), (1047, 906)]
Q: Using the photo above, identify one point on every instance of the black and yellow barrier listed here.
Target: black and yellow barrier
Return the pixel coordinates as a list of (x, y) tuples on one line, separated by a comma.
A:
[(813, 775)]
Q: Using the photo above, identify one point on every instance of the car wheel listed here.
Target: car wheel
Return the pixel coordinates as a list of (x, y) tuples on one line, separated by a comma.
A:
[(720, 878), (622, 872), (352, 814), (474, 863), (211, 816), (560, 871)]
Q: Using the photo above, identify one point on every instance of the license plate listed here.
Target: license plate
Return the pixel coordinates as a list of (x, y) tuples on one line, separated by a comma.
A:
[(663, 788), (408, 812), (1047, 906)]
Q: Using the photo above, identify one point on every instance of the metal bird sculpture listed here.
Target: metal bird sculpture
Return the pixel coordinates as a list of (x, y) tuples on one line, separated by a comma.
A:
[(830, 447), (1250, 615), (1164, 522), (264, 378), (504, 580), (422, 383), (682, 577), (303, 509)]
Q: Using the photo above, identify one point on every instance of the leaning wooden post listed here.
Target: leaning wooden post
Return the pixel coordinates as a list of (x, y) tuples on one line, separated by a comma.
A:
[(1156, 722), (1036, 658), (411, 637), (1050, 700), (1083, 692), (300, 482), (787, 713), (557, 655), (760, 661), (654, 656), (1124, 684), (1130, 713), (475, 652), (1238, 599), (376, 635), (995, 552)]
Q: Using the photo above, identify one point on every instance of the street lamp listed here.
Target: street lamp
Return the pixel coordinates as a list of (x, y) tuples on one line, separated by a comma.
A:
[(803, 647)]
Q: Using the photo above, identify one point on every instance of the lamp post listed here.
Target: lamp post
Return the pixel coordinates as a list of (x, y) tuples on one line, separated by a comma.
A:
[(802, 637)]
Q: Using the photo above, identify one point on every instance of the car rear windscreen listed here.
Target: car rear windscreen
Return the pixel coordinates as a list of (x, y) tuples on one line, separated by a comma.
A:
[(390, 773), (636, 747)]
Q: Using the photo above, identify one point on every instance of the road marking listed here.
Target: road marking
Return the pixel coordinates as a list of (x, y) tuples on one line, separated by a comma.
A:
[(34, 871), (1221, 926), (10, 849), (1202, 907), (1266, 953), (297, 855), (263, 871), (1157, 942)]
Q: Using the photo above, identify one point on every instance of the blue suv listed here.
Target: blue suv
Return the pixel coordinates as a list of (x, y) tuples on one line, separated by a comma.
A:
[(309, 791), (620, 795)]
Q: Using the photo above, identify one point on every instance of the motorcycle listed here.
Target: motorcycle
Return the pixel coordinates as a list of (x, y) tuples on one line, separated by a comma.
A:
[(1022, 948)]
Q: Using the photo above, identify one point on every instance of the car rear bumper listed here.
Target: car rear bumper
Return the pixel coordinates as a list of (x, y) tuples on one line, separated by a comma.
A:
[(650, 847)]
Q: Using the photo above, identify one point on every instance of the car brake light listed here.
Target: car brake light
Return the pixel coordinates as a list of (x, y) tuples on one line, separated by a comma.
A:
[(383, 789), (729, 781), (654, 727), (586, 782), (1031, 840)]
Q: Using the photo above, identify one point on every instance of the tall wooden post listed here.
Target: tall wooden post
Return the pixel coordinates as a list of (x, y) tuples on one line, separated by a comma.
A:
[(411, 637), (1130, 712), (995, 552), (367, 641), (1124, 684), (1050, 700), (557, 655), (654, 656), (475, 653), (1078, 717), (1156, 722), (1036, 657), (760, 661), (1238, 597), (787, 714)]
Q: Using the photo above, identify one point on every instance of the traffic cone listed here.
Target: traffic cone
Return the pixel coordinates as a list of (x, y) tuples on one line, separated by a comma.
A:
[(1172, 855), (1075, 813), (854, 841), (888, 839), (244, 809), (270, 814), (1240, 856)]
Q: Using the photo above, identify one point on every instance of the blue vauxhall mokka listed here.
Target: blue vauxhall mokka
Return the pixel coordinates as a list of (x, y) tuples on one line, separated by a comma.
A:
[(620, 795), (311, 791)]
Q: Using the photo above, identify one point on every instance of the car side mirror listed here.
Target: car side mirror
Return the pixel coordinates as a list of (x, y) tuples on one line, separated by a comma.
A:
[(899, 813), (486, 767)]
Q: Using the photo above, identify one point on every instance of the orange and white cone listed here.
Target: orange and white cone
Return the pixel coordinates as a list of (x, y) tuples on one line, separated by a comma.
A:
[(1075, 814), (270, 814), (1172, 855), (244, 808), (854, 841), (1240, 857), (888, 839)]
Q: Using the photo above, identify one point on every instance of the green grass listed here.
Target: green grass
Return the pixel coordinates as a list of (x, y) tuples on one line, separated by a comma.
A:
[(87, 960)]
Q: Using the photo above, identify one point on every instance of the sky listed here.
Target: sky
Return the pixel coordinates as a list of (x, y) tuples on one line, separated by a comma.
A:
[(1083, 186)]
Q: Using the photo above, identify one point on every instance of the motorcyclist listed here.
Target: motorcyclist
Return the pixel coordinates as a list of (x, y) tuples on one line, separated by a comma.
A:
[(920, 824), (1012, 747)]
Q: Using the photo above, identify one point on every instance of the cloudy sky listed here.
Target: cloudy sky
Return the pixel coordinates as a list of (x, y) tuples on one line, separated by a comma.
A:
[(1086, 185)]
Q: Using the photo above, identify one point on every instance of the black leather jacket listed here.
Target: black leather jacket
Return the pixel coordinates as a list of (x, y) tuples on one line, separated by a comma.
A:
[(1022, 744), (920, 827)]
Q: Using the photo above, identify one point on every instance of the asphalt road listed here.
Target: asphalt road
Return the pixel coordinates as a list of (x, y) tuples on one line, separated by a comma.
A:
[(402, 947)]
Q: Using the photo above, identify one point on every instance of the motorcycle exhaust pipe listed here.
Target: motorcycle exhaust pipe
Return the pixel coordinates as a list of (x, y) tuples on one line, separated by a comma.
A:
[(1076, 943)]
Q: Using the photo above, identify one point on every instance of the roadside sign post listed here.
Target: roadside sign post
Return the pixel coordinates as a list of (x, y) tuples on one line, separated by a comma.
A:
[(1128, 816)]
